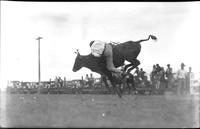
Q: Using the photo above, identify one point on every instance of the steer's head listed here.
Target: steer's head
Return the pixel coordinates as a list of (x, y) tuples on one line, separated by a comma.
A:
[(78, 62)]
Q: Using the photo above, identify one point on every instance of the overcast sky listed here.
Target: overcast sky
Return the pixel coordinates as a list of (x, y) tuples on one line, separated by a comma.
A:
[(67, 26)]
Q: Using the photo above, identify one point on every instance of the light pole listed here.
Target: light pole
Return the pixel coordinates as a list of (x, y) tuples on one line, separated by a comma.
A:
[(39, 58)]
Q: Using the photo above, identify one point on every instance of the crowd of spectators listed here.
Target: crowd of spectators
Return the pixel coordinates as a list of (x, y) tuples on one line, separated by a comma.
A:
[(89, 81), (56, 83), (162, 78), (159, 78)]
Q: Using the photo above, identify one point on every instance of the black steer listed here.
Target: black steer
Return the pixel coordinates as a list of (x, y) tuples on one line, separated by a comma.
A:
[(124, 51)]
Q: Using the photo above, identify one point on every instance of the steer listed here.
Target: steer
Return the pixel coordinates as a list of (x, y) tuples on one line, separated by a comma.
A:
[(127, 51)]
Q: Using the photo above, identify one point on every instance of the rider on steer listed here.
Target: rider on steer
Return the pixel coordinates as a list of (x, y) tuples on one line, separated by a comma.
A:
[(99, 49)]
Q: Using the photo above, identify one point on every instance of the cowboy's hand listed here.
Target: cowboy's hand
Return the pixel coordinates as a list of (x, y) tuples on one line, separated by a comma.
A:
[(117, 75), (124, 74)]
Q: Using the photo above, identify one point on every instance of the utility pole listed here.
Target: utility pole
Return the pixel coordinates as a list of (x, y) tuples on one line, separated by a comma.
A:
[(39, 58)]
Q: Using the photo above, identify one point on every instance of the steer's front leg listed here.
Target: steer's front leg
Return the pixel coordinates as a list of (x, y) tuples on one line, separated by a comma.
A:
[(106, 83), (117, 90)]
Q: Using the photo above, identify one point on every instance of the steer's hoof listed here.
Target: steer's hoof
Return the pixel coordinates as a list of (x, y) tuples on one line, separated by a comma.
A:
[(118, 93)]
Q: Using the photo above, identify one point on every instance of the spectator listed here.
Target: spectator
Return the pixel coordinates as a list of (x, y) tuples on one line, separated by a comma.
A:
[(91, 76), (129, 80), (136, 76), (139, 77), (60, 81), (157, 80), (87, 80), (91, 80), (142, 74), (82, 81), (136, 73), (190, 74), (162, 77), (158, 68), (145, 80), (153, 74), (142, 78), (181, 76), (169, 76), (64, 82), (56, 79)]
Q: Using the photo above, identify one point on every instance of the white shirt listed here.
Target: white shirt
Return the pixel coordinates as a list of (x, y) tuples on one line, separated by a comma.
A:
[(181, 74), (97, 48)]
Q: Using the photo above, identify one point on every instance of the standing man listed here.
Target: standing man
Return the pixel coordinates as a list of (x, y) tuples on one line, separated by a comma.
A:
[(136, 75), (153, 73), (162, 78), (169, 76), (189, 76), (141, 74), (91, 80), (87, 80), (181, 76), (158, 68), (130, 82)]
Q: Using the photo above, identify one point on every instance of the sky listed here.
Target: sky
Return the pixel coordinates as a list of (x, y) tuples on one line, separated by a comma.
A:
[(67, 26)]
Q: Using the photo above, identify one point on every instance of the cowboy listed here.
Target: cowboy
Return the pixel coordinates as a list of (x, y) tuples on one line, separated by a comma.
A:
[(99, 49)]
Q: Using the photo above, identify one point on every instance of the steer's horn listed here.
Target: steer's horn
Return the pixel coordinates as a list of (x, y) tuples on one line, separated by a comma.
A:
[(77, 52)]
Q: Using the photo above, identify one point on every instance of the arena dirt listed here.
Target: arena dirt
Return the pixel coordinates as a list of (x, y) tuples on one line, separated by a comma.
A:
[(65, 110)]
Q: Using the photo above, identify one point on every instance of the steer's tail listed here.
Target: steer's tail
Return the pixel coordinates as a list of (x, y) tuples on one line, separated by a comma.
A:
[(150, 36), (153, 37)]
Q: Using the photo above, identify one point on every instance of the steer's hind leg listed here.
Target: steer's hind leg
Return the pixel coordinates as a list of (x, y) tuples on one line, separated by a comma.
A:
[(134, 63), (127, 66)]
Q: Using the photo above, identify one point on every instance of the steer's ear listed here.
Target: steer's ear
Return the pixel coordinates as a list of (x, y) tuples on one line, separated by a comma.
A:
[(76, 51)]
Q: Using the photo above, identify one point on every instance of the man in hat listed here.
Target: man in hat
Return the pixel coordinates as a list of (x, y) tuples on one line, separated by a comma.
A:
[(181, 76), (169, 75), (158, 68)]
